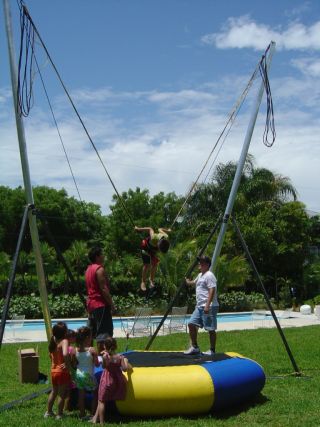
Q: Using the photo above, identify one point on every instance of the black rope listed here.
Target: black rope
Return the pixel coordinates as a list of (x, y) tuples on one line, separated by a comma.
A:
[(183, 283), (25, 66), (225, 132), (27, 17), (269, 126), (59, 133), (30, 396)]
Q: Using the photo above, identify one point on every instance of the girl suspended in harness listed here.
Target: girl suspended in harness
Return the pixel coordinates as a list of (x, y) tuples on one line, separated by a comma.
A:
[(149, 247)]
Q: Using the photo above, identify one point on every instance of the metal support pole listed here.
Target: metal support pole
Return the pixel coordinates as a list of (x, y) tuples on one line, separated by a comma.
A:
[(240, 166), (266, 297), (13, 273), (26, 174), (183, 284)]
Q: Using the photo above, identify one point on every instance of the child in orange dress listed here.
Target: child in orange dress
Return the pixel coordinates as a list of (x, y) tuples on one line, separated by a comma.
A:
[(113, 383), (60, 367)]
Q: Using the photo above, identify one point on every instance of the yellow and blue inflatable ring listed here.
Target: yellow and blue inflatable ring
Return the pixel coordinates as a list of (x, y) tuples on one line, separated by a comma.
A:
[(171, 383)]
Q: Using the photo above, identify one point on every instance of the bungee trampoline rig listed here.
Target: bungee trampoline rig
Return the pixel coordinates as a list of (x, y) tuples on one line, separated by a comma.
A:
[(164, 383)]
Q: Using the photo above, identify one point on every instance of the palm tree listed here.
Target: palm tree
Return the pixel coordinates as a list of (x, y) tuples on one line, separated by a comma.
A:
[(258, 186), (77, 259), (175, 264), (232, 272)]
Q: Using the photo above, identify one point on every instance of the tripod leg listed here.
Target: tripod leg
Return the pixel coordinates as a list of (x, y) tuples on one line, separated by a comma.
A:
[(248, 255), (13, 272)]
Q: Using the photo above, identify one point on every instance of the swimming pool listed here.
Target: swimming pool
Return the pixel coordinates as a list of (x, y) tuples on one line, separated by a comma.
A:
[(38, 325)]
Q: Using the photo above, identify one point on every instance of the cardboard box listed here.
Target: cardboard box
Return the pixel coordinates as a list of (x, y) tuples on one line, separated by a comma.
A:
[(28, 365)]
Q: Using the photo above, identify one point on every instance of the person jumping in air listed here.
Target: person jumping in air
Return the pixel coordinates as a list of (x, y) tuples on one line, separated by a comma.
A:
[(149, 247)]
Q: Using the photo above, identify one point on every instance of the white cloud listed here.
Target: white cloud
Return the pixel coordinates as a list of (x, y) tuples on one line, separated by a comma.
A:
[(292, 93), (298, 10), (243, 32), (308, 66), (166, 150)]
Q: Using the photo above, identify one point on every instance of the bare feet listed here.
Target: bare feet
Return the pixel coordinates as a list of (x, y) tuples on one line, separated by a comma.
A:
[(143, 287)]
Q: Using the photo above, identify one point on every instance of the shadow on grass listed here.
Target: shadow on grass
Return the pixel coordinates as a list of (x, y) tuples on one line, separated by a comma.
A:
[(112, 417), (225, 413)]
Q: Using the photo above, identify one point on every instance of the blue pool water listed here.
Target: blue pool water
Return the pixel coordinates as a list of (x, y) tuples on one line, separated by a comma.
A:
[(75, 324)]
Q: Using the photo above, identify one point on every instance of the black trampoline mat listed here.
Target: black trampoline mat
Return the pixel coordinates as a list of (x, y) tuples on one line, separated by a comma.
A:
[(170, 358)]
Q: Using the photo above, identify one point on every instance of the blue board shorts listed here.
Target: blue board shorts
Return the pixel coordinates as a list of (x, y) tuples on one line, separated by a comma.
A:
[(203, 320)]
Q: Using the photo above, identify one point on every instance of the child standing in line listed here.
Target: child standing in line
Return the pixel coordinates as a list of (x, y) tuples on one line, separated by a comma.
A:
[(72, 394), (113, 383), (60, 367), (84, 376), (149, 247)]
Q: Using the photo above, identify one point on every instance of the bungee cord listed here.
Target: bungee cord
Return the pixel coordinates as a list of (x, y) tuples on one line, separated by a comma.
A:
[(28, 32), (59, 133), (269, 126), (231, 119), (27, 58), (28, 90), (25, 66), (25, 98)]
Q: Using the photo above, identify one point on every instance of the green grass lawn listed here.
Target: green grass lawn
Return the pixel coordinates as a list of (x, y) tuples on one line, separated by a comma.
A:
[(285, 400)]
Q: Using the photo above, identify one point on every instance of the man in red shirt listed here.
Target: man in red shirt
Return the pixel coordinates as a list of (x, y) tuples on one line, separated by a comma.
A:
[(99, 300)]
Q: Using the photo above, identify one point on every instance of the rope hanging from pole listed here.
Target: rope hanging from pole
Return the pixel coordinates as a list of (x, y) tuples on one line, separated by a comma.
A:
[(59, 133), (269, 126), (261, 66), (29, 29), (26, 24), (182, 285), (25, 65)]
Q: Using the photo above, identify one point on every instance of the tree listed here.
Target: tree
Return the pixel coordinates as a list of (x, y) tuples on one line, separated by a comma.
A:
[(174, 265), (274, 225), (231, 272), (12, 205), (5, 265), (257, 187), (139, 207), (67, 218), (77, 260)]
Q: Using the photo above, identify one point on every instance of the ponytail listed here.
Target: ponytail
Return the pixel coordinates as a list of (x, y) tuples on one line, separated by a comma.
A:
[(52, 344), (59, 332)]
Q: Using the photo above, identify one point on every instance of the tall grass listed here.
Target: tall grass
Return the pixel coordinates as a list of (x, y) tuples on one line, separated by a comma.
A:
[(286, 400)]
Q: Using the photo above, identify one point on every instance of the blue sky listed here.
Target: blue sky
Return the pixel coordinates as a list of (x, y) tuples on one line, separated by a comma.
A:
[(154, 82)]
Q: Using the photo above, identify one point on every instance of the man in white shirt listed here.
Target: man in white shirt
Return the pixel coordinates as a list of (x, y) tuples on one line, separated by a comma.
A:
[(205, 312)]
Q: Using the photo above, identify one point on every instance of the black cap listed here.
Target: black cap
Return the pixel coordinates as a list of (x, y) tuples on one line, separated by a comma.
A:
[(204, 260)]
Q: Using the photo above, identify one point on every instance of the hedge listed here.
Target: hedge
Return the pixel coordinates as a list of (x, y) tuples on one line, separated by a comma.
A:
[(71, 306)]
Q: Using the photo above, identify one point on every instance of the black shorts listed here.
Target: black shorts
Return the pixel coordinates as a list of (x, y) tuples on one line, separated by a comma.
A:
[(100, 321), (149, 258)]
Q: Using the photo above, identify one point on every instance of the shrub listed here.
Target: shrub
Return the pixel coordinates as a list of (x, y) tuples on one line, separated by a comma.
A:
[(313, 301), (68, 306), (62, 306), (239, 301)]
